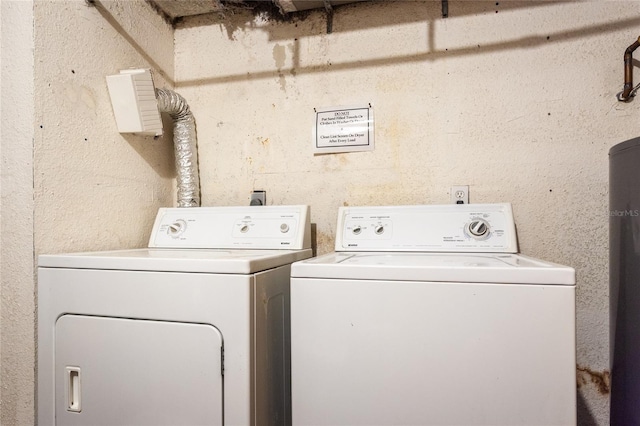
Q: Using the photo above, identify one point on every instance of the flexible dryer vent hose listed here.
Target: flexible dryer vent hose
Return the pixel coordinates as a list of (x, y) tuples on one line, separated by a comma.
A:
[(185, 145)]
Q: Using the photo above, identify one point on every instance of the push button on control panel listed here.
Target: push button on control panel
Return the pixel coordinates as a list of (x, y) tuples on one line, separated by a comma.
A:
[(284, 228)]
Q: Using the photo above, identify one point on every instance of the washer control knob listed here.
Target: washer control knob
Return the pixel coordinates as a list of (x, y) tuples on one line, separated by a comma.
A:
[(478, 228), (284, 228), (177, 228), (244, 228), (379, 229), (357, 230)]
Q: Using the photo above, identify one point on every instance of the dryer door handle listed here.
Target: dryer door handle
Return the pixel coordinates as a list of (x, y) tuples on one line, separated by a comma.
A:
[(73, 389)]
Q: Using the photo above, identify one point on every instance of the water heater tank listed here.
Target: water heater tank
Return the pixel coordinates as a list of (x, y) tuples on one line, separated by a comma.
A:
[(624, 282)]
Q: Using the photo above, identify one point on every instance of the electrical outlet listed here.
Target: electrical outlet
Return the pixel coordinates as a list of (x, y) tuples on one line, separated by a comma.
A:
[(258, 198), (460, 194)]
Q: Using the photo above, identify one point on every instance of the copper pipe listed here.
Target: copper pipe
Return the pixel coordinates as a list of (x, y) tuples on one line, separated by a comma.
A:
[(628, 71)]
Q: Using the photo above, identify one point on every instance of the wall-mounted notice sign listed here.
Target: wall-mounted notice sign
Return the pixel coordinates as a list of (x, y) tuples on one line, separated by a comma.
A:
[(343, 129)]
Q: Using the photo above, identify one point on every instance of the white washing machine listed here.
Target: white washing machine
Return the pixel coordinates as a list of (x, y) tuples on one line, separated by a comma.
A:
[(426, 315), (193, 330)]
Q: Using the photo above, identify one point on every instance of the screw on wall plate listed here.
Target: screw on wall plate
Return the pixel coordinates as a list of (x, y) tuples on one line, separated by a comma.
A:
[(460, 194), (258, 198)]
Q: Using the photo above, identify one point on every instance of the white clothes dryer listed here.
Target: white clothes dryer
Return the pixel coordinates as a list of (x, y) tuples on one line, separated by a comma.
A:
[(426, 315), (193, 330)]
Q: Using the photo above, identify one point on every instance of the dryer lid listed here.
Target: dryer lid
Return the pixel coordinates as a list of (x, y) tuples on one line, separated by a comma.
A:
[(172, 260), (435, 267)]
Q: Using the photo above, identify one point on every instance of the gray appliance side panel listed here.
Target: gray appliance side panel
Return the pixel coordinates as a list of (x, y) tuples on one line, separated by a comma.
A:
[(273, 347)]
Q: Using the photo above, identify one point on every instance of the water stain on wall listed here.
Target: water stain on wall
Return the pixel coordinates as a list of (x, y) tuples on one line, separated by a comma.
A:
[(602, 380), (282, 81), (324, 242), (279, 55), (332, 162), (235, 18), (81, 96)]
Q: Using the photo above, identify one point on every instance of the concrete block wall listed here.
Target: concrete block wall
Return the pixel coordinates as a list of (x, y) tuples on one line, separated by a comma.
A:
[(70, 181), (515, 99)]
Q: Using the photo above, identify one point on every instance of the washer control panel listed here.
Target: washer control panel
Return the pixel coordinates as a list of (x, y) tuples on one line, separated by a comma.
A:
[(450, 227), (261, 227)]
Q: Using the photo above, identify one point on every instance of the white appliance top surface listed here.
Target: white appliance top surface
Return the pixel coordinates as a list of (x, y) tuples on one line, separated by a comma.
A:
[(436, 267), (177, 260)]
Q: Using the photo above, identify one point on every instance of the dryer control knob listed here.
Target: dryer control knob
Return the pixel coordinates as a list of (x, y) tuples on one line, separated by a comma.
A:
[(478, 228), (379, 229), (357, 230), (177, 228)]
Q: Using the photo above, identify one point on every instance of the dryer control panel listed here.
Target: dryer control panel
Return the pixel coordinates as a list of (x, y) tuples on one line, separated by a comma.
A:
[(250, 227), (440, 228)]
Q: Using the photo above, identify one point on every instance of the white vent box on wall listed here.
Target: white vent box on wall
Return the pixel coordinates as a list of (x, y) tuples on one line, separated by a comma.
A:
[(133, 97)]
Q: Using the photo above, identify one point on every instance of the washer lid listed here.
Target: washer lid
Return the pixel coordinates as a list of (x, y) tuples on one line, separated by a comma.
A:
[(440, 267), (172, 260)]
